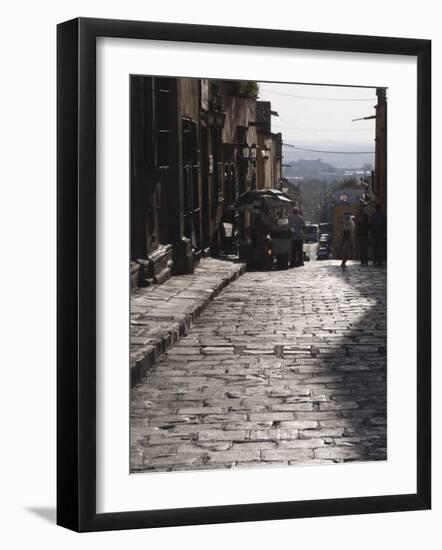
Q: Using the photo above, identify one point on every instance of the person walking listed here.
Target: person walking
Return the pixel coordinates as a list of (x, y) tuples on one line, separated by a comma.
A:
[(362, 222), (346, 245), (297, 223), (378, 234)]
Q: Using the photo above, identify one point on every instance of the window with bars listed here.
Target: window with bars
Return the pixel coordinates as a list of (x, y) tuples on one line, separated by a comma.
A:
[(162, 98), (191, 196), (218, 168)]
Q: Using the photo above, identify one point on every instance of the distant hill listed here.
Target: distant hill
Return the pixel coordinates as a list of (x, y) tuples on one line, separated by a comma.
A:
[(309, 168), (337, 160), (321, 170)]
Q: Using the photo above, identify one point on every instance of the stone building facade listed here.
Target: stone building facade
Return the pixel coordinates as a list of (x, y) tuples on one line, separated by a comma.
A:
[(196, 145), (380, 173)]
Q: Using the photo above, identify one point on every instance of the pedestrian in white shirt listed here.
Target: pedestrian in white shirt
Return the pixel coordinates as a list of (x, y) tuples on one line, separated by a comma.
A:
[(297, 223), (346, 246)]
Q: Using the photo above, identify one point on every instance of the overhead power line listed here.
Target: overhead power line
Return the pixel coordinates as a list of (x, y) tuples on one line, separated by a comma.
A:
[(321, 98), (312, 132), (289, 127), (334, 152)]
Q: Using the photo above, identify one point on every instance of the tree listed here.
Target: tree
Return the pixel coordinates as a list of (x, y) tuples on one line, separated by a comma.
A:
[(248, 88)]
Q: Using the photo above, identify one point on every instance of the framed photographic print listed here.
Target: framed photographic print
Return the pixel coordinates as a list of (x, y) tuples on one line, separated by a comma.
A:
[(243, 274)]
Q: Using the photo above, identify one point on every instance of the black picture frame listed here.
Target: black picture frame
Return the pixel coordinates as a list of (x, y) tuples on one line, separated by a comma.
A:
[(76, 310)]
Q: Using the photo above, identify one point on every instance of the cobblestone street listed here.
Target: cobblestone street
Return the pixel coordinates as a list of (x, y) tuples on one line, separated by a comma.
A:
[(282, 367)]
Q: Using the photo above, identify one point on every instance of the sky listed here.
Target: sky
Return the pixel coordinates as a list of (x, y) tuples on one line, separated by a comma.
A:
[(322, 114)]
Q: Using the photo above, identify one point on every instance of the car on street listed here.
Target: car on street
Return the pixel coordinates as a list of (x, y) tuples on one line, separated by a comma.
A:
[(325, 238), (323, 252), (325, 228), (311, 233)]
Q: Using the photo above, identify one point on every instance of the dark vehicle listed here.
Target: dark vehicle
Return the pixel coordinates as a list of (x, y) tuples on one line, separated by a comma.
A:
[(326, 228), (325, 238), (311, 233), (282, 246), (323, 252), (262, 203), (261, 254)]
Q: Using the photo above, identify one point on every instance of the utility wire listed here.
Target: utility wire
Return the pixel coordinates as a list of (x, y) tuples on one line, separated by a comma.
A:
[(320, 98), (293, 126), (322, 129), (334, 152)]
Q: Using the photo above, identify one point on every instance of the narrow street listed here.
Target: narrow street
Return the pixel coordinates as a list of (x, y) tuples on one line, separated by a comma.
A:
[(282, 367)]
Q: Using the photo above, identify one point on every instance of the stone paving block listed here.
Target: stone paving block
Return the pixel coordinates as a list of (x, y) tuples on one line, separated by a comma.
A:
[(221, 435), (182, 351), (273, 434), (300, 424), (310, 443), (317, 415), (360, 413), (341, 453), (261, 464), (201, 410), (203, 447), (337, 406), (172, 420), (307, 399), (273, 416), (312, 462), (323, 432), (378, 420), (254, 445), (368, 431), (294, 455), (156, 451), (227, 417), (341, 422), (235, 455), (323, 379), (217, 350), (283, 392), (184, 459), (292, 407)]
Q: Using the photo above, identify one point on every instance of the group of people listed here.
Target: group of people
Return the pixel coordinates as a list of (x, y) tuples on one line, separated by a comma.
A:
[(360, 230)]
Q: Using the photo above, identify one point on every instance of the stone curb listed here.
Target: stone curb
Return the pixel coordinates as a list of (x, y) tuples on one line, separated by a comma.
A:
[(177, 327)]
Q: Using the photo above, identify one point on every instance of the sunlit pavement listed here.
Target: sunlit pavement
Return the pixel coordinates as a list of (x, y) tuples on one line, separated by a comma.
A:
[(282, 367)]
